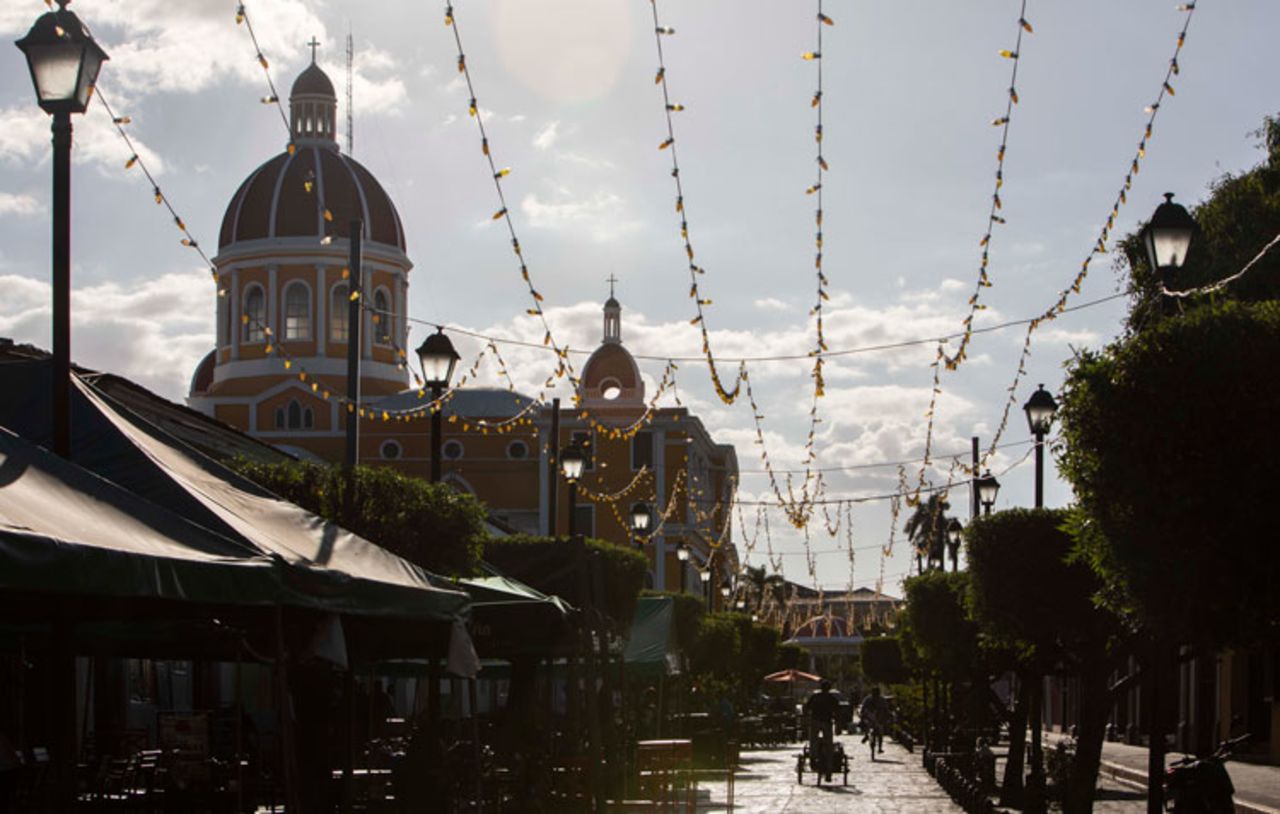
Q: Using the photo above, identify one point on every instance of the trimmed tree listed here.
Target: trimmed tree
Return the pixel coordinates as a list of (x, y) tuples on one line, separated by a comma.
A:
[(882, 660), (1169, 446), (1029, 593), (429, 524)]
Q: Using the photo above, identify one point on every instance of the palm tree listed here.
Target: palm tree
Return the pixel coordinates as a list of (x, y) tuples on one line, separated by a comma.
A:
[(926, 528)]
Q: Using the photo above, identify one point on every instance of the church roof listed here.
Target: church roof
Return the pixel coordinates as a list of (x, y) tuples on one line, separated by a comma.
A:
[(273, 202), (312, 81)]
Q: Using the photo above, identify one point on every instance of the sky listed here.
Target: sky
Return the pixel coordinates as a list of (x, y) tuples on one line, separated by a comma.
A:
[(566, 90)]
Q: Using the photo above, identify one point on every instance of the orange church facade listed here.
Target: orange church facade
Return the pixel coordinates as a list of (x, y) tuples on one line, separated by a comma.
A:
[(282, 265)]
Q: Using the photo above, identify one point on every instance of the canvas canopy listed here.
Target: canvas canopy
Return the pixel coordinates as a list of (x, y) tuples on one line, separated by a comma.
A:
[(65, 530), (650, 642), (341, 571)]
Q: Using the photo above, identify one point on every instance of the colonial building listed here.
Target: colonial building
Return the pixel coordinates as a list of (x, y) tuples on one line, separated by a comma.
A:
[(283, 265)]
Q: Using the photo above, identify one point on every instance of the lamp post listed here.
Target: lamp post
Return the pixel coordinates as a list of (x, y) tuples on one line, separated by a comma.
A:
[(64, 62), (1040, 409), (572, 462), (640, 519), (955, 530), (1167, 237), (682, 557), (438, 360), (705, 576), (988, 488)]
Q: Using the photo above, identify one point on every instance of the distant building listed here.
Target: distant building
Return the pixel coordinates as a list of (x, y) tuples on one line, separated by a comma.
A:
[(282, 263)]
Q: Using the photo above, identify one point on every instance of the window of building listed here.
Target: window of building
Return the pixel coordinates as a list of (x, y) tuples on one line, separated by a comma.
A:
[(382, 317), (517, 450), (297, 311), (642, 450), (295, 416), (255, 313), (390, 450), (583, 439), (452, 450), (339, 314), (280, 425)]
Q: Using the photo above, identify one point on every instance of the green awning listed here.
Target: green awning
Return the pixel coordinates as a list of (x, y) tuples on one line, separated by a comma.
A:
[(651, 643)]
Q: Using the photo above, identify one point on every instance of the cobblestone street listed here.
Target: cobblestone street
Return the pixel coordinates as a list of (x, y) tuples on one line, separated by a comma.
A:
[(895, 782)]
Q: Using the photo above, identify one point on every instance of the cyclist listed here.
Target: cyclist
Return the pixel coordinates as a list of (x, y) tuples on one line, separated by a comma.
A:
[(821, 709), (874, 715)]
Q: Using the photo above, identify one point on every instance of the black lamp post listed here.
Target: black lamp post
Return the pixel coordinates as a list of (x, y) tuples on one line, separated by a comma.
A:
[(1167, 237), (1040, 409), (64, 62), (438, 360), (572, 462), (682, 557), (955, 530), (988, 488), (705, 576), (640, 519)]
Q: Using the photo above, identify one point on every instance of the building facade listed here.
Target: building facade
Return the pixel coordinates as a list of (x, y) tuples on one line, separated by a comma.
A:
[(278, 372)]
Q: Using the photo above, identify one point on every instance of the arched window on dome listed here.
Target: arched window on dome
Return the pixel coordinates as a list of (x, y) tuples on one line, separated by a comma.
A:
[(383, 320), (296, 417), (255, 312), (339, 316), (297, 311)]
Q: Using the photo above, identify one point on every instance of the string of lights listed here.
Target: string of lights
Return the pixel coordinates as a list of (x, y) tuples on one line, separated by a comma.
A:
[(1100, 245), (994, 217), (564, 365), (1225, 281), (701, 303)]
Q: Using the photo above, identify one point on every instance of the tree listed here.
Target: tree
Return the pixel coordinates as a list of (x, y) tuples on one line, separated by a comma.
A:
[(882, 660), (429, 524), (945, 637), (926, 528), (1028, 592), (1169, 441), (1241, 215)]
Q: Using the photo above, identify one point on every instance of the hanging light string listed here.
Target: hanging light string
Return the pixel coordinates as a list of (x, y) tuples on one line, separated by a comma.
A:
[(136, 160), (1100, 245), (821, 296), (1224, 282), (994, 217), (564, 365), (850, 351), (242, 18), (728, 396)]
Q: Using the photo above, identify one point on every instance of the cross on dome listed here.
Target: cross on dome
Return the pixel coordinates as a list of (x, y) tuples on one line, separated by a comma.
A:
[(315, 43), (611, 280)]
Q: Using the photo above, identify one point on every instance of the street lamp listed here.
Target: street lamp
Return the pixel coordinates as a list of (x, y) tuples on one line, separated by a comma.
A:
[(988, 488), (64, 62), (955, 530), (640, 519), (1040, 409), (438, 360), (705, 576), (1168, 238), (572, 462), (682, 556)]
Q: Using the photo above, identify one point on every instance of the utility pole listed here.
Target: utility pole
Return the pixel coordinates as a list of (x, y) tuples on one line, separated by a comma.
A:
[(553, 468), (351, 53)]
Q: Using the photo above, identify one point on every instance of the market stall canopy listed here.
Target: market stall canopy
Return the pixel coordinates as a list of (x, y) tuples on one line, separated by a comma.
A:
[(509, 618), (66, 531), (351, 574), (792, 677), (651, 642)]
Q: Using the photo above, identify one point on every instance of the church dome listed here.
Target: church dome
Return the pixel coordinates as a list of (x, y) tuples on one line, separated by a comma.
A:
[(273, 202), (313, 81), (287, 196), (611, 376)]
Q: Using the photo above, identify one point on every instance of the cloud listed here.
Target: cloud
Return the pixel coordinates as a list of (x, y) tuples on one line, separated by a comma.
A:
[(11, 204), (547, 136), (152, 330), (24, 140), (771, 304), (602, 215)]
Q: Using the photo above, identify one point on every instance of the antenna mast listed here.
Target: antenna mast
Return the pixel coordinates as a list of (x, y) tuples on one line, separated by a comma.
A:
[(351, 50)]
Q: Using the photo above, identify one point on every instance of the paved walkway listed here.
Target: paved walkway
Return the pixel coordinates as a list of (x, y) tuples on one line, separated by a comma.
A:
[(895, 783)]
